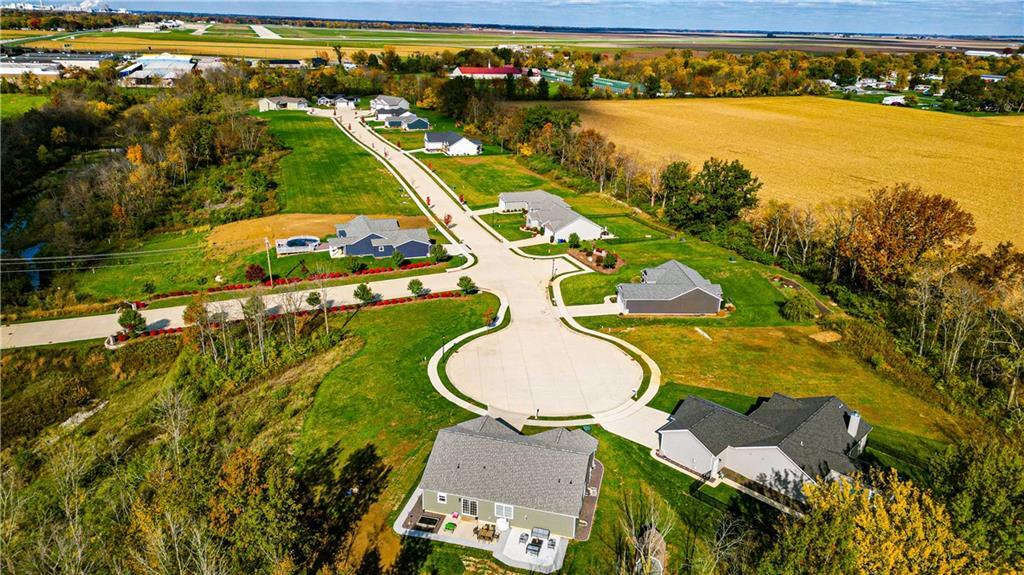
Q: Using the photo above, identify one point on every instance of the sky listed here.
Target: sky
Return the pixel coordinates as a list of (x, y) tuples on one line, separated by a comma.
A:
[(948, 17)]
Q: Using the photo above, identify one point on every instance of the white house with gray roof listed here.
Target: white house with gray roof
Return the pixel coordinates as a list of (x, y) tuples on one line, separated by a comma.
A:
[(282, 103), (671, 288), (383, 102), (488, 471), (363, 236), (452, 144), (782, 444), (549, 213)]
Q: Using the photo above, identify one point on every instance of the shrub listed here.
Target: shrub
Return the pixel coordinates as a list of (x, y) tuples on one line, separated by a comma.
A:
[(415, 287), (800, 307), (364, 294), (610, 260), (466, 285), (397, 259), (255, 273), (574, 240), (131, 320), (438, 253)]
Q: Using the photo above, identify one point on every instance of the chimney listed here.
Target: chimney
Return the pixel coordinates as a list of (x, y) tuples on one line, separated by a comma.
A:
[(852, 423)]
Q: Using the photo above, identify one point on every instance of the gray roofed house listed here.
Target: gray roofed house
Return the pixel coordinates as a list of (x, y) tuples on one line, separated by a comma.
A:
[(384, 101), (452, 144), (550, 213), (282, 103), (363, 236), (671, 288), (783, 444), (486, 469)]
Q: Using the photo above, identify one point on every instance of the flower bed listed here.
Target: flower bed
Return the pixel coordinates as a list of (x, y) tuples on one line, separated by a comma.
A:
[(122, 337), (285, 281)]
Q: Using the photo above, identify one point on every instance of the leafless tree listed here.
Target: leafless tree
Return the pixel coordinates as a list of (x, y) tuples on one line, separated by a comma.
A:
[(291, 303), (1006, 339), (841, 220), (12, 503), (65, 549), (962, 313), (644, 523), (254, 312), (730, 535), (173, 411), (805, 224), (654, 181), (629, 169)]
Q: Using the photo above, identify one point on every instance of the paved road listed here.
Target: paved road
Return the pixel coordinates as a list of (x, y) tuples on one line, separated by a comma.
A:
[(264, 32), (536, 364)]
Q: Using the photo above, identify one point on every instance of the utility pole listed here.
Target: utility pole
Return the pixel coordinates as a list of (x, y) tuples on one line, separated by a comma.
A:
[(270, 270)]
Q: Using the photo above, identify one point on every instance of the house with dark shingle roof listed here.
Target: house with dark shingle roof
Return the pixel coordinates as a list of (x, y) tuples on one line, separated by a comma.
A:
[(671, 288), (452, 144), (485, 470), (363, 236), (782, 444)]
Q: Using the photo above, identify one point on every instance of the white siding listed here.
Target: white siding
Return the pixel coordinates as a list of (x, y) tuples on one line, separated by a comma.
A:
[(511, 206), (686, 450), (768, 466), (463, 148), (584, 228)]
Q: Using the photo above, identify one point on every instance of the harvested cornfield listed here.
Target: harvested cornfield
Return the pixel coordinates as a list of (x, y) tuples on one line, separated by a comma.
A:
[(811, 150), (249, 234)]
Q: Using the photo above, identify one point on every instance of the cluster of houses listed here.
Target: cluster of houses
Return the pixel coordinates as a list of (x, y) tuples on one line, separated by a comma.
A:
[(551, 215), (394, 112), (362, 236)]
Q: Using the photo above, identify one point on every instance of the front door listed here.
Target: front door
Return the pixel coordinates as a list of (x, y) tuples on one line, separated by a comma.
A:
[(470, 507)]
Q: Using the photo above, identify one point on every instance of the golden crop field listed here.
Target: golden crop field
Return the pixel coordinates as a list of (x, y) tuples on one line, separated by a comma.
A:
[(811, 150), (8, 33), (213, 47)]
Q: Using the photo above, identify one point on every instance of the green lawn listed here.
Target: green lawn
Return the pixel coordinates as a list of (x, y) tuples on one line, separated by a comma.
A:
[(381, 396), (480, 179), (12, 105), (508, 225), (627, 229), (744, 283), (327, 173)]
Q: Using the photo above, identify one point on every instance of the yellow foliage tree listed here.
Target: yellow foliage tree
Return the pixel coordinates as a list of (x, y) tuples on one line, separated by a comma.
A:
[(134, 154)]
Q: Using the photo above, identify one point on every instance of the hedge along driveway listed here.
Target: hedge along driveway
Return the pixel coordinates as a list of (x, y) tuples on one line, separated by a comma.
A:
[(326, 173)]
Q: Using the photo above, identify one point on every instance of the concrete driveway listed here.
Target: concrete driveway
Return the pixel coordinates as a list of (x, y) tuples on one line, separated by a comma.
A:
[(640, 426), (593, 309)]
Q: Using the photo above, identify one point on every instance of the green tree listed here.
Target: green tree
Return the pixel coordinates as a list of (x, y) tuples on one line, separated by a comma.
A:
[(714, 197), (454, 96), (652, 84), (397, 259), (466, 285), (131, 320), (800, 307), (845, 72), (574, 240), (315, 301), (438, 253), (543, 89), (416, 287), (609, 261), (364, 294), (982, 484)]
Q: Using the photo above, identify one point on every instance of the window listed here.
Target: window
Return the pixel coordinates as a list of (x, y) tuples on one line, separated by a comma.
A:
[(442, 498), (503, 510), (380, 248), (469, 507)]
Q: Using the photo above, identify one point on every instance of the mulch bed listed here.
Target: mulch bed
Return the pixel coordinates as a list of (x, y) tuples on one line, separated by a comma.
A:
[(582, 258)]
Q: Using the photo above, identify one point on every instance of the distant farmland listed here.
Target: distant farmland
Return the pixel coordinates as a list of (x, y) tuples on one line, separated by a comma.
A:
[(811, 150)]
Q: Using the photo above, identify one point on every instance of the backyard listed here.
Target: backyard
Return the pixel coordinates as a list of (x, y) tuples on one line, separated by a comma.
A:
[(328, 173)]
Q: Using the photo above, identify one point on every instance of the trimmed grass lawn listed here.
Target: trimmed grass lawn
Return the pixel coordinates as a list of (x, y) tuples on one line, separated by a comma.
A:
[(381, 396), (507, 225), (741, 364), (327, 173), (196, 267), (13, 105), (480, 179), (744, 283), (627, 229)]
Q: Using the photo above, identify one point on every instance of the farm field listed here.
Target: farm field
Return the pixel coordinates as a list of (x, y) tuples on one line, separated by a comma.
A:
[(813, 150), (328, 173), (12, 105)]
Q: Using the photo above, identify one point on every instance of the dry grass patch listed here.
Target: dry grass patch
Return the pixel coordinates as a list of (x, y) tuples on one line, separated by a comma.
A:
[(213, 47), (249, 234), (810, 150)]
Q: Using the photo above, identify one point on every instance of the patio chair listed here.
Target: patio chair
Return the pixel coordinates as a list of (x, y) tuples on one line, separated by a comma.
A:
[(552, 543), (540, 533), (524, 538)]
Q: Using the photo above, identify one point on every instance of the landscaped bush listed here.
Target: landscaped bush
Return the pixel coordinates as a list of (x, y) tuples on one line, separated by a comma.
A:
[(800, 307)]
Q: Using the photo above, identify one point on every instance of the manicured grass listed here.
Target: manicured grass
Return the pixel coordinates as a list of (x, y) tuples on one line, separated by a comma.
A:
[(744, 283), (327, 173), (627, 229), (12, 105), (508, 225), (481, 179), (382, 396)]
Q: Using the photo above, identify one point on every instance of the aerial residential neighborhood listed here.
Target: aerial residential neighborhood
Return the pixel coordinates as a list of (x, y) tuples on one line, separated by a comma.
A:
[(701, 288)]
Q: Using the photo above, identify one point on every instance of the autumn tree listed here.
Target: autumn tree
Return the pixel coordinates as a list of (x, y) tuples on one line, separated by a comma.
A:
[(716, 195)]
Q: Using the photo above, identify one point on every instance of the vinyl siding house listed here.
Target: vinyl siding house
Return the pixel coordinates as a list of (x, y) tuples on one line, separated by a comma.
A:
[(408, 122), (781, 445), (382, 102), (385, 114), (550, 213), (338, 101), (484, 469), (378, 238), (282, 103), (671, 288), (452, 144)]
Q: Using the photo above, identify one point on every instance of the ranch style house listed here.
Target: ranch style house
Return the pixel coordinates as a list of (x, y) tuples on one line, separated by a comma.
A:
[(379, 238), (671, 288), (550, 214), (782, 445)]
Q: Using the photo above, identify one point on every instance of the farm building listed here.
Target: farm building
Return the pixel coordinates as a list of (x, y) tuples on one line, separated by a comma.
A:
[(782, 444), (15, 71), (487, 72), (66, 61), (671, 288), (282, 103), (378, 238), (550, 213), (616, 86), (452, 144), (383, 102)]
